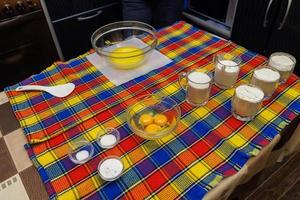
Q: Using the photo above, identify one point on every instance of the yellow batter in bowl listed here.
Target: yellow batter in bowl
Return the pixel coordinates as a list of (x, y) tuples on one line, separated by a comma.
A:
[(127, 57)]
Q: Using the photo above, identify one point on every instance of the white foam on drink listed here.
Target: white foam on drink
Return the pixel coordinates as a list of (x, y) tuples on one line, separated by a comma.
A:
[(281, 62), (231, 66), (199, 80), (249, 93), (267, 74)]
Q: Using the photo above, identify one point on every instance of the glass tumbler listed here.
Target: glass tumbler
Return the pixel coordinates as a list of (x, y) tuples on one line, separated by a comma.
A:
[(197, 85), (284, 63), (227, 68)]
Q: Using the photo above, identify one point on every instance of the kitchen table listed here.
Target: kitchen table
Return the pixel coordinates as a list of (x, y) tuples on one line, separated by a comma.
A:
[(208, 144)]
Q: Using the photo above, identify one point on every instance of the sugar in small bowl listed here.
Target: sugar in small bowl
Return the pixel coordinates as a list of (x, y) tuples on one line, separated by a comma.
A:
[(109, 139), (110, 168), (81, 151)]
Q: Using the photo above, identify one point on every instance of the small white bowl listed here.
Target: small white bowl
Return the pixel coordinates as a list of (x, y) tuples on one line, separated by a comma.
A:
[(81, 151), (110, 168), (110, 139)]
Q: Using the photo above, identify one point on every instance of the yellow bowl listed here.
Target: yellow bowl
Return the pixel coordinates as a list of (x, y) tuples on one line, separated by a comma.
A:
[(126, 44)]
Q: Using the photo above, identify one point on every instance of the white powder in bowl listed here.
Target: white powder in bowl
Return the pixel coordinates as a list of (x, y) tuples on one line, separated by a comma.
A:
[(249, 93), (82, 155), (199, 80), (108, 140), (231, 66), (266, 74), (281, 62), (110, 168)]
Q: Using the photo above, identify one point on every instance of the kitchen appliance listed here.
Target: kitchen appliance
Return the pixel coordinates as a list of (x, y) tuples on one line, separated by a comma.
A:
[(26, 46), (268, 26), (73, 22), (216, 16)]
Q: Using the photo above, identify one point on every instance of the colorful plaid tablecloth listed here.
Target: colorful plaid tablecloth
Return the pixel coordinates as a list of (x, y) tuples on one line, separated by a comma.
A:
[(208, 144)]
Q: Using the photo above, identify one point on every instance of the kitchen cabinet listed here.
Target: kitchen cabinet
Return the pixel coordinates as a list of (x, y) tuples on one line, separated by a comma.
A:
[(267, 26), (73, 22), (26, 46)]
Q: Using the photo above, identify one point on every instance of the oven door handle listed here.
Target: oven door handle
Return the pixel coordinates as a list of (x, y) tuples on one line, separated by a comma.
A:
[(287, 11), (14, 55), (89, 17), (266, 21), (21, 19)]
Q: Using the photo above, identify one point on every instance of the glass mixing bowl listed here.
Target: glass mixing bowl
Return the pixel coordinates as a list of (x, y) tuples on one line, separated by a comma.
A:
[(124, 44), (153, 117)]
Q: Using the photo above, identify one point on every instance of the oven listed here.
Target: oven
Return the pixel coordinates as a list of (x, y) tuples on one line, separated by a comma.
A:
[(26, 45), (216, 16), (74, 21)]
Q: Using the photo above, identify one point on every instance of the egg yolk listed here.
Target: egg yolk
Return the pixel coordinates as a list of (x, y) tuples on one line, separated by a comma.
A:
[(152, 128), (146, 119), (126, 57), (160, 119)]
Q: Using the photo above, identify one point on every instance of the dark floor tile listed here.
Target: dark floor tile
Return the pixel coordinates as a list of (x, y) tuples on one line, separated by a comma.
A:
[(7, 167), (280, 182), (8, 121), (293, 193), (245, 190), (33, 184)]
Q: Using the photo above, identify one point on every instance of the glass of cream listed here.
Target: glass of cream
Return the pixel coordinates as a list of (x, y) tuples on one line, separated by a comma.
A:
[(227, 68), (246, 102), (197, 85), (284, 63)]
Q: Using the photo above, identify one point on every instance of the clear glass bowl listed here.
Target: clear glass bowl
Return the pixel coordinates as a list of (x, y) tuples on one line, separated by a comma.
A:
[(153, 117), (81, 151), (120, 44), (108, 140), (110, 168)]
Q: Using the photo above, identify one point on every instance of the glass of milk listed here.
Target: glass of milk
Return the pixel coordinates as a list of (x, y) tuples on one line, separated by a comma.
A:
[(284, 63), (80, 151), (246, 102), (197, 84), (227, 68), (267, 79)]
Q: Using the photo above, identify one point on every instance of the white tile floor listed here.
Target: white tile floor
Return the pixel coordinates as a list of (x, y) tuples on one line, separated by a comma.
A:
[(15, 142), (13, 189)]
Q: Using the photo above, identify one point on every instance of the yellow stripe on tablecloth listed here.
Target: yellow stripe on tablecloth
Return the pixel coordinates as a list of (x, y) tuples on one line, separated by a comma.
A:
[(198, 171), (127, 162), (237, 141), (69, 195), (28, 121), (171, 89), (292, 92), (20, 98), (268, 115), (46, 158), (201, 112), (74, 100)]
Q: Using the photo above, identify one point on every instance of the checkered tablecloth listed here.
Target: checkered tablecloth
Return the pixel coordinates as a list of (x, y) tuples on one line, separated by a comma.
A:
[(208, 144)]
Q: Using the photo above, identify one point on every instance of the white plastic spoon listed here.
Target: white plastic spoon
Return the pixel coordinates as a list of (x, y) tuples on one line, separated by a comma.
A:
[(58, 90)]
